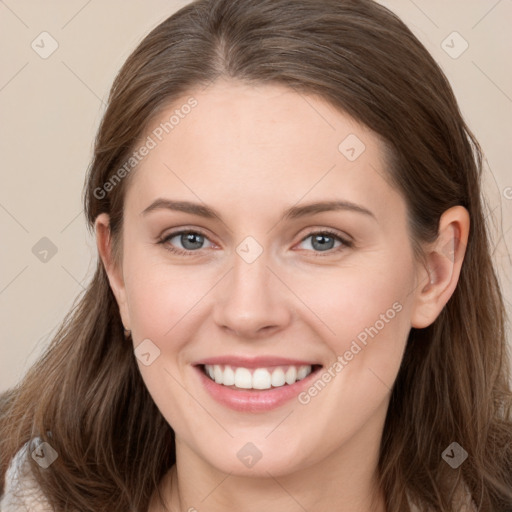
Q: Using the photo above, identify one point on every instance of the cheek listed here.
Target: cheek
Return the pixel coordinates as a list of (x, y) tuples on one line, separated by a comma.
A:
[(161, 304), (359, 303), (160, 297), (375, 333), (368, 311), (367, 314)]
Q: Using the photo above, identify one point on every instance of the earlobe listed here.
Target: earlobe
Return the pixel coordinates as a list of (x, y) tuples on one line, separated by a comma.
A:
[(438, 279), (114, 273)]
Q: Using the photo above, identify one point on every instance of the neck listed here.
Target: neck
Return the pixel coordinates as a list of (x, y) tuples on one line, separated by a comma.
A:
[(291, 493), (346, 480)]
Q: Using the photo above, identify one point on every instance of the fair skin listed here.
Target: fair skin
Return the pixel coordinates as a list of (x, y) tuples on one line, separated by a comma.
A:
[(250, 153)]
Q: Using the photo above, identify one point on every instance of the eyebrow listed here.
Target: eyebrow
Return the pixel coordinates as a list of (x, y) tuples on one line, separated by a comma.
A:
[(291, 213)]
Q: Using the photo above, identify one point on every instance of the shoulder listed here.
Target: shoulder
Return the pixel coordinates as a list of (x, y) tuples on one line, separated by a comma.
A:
[(21, 492)]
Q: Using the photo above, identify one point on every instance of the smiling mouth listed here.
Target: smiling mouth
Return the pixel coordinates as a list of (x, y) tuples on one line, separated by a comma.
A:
[(257, 378)]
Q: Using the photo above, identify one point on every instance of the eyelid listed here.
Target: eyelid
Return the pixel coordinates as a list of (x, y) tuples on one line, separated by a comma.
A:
[(345, 237), (346, 240), (164, 239)]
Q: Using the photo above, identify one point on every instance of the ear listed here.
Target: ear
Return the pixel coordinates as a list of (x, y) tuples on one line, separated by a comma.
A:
[(437, 280), (115, 274)]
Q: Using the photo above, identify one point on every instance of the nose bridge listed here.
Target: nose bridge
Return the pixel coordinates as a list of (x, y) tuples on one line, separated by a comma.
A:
[(252, 299)]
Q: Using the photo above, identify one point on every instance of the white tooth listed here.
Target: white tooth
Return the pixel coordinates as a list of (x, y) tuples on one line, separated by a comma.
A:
[(243, 378), (229, 376), (218, 373), (303, 372), (291, 375), (278, 379), (261, 379)]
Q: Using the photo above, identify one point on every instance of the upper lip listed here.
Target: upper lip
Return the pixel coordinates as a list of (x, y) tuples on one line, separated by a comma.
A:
[(253, 362)]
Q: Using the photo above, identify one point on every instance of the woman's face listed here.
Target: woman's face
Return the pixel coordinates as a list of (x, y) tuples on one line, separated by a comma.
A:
[(275, 286)]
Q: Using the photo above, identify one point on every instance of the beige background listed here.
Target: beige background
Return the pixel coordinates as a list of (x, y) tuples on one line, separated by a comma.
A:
[(50, 109)]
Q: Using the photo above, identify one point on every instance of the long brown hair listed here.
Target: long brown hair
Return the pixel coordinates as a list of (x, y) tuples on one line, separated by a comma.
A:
[(86, 397)]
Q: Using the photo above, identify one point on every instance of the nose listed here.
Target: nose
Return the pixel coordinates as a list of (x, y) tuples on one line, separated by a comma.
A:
[(251, 300)]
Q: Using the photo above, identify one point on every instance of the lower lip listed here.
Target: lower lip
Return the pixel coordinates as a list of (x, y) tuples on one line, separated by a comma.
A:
[(254, 400)]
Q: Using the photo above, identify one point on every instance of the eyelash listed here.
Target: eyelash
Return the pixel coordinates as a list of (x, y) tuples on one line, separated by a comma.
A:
[(346, 244)]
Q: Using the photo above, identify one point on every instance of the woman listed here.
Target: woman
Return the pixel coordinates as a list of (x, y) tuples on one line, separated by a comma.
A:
[(294, 306)]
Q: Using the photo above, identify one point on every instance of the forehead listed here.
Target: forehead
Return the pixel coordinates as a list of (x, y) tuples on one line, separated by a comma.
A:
[(259, 147)]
